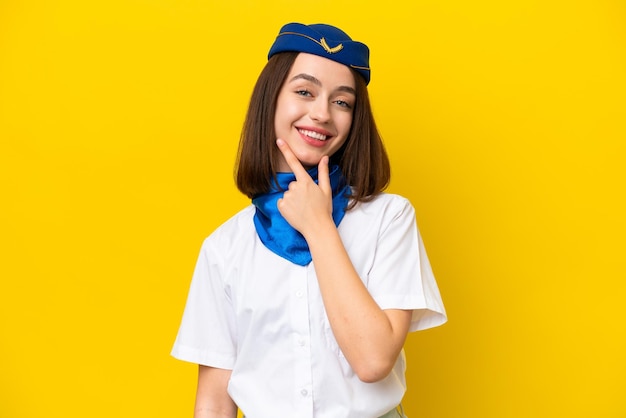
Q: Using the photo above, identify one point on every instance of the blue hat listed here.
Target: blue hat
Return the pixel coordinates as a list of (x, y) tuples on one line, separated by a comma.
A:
[(326, 41)]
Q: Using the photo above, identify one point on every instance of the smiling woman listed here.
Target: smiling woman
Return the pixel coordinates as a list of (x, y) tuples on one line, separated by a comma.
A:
[(300, 304)]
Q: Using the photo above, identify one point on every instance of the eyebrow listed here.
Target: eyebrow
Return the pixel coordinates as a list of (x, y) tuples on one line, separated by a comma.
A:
[(308, 77)]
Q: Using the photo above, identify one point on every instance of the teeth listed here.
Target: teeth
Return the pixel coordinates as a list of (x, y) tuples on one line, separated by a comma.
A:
[(314, 135)]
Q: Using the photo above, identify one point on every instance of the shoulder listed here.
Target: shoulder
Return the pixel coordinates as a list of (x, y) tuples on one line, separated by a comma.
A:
[(386, 204), (389, 199), (232, 231), (379, 213)]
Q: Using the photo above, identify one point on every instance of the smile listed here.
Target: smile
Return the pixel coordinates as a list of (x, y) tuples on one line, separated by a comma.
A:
[(314, 135)]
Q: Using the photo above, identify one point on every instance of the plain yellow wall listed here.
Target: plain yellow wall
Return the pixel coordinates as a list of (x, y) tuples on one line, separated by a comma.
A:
[(505, 123)]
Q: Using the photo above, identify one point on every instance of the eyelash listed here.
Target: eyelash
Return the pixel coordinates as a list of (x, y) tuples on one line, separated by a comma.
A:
[(307, 93)]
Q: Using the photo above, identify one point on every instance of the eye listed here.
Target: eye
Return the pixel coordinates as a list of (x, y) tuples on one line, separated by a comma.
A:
[(303, 92), (343, 103)]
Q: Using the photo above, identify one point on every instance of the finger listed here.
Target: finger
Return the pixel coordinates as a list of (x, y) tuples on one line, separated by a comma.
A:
[(323, 178), (292, 161), (279, 205)]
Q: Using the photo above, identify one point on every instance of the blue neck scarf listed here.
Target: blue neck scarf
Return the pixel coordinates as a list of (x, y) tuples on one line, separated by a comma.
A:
[(276, 233)]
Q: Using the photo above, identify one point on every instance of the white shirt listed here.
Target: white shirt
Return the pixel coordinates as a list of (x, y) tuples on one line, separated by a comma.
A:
[(261, 316)]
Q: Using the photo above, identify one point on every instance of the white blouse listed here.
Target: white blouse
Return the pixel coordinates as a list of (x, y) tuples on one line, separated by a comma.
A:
[(261, 316)]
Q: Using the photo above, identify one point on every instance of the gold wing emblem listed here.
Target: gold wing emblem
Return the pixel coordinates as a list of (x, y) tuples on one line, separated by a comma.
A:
[(328, 49)]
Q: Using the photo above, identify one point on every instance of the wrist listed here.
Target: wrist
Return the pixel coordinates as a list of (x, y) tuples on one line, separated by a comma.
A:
[(320, 232)]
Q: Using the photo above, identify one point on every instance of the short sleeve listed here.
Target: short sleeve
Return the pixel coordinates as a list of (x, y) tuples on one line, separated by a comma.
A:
[(207, 334), (401, 276)]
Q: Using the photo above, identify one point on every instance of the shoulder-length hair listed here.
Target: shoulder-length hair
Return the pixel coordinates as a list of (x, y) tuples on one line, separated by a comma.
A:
[(362, 158)]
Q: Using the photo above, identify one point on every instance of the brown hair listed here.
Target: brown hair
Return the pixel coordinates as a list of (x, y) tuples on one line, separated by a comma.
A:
[(362, 158)]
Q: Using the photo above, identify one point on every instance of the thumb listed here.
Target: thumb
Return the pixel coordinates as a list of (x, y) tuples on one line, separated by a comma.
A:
[(323, 178)]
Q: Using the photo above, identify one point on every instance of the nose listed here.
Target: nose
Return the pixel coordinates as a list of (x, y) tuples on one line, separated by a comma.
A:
[(320, 110)]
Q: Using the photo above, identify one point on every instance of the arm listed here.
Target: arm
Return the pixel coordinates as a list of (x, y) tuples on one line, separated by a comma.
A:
[(212, 399), (370, 338)]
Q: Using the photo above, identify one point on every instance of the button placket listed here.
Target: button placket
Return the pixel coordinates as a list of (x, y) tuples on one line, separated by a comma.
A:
[(302, 353)]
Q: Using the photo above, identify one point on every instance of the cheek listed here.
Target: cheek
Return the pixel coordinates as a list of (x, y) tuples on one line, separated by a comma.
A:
[(285, 112), (346, 123), (281, 116)]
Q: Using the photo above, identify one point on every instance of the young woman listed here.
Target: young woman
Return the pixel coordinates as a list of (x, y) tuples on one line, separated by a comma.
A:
[(300, 304)]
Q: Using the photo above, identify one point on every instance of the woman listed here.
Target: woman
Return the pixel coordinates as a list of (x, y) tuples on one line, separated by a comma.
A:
[(300, 304)]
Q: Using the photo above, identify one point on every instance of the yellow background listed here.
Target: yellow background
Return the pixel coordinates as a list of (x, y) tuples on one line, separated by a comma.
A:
[(505, 123)]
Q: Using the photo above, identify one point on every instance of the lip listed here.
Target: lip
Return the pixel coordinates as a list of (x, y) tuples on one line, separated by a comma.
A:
[(312, 141)]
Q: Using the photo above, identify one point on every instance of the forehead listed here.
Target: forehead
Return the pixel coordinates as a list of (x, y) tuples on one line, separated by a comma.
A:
[(326, 70)]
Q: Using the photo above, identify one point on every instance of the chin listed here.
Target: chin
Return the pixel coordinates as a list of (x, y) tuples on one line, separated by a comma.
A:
[(309, 161)]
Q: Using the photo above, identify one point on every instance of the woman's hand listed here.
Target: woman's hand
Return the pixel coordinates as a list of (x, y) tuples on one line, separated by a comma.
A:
[(305, 205)]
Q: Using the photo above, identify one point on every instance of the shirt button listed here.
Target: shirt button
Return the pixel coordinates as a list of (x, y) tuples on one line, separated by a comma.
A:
[(304, 392), (299, 294), (301, 342)]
